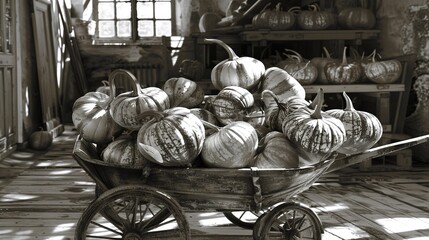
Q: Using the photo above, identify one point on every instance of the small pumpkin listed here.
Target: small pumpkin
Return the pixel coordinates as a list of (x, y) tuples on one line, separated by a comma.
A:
[(92, 119), (245, 72), (304, 71), (128, 106), (40, 140), (315, 133), (275, 19), (363, 129), (232, 146), (275, 115), (282, 84), (183, 92), (124, 152), (320, 63), (105, 88), (316, 19), (231, 104), (344, 72), (276, 151), (174, 137), (191, 69), (383, 71)]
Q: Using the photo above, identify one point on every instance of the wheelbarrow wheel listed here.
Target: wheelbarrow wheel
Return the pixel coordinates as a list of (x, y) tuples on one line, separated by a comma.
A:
[(289, 221), (244, 219), (133, 213)]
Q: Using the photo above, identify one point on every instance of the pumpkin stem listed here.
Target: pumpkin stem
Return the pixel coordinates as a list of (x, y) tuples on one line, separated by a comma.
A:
[(295, 9), (349, 103), (314, 7), (231, 53), (296, 54), (105, 83), (315, 101), (344, 56), (373, 55), (317, 114), (273, 95), (305, 66), (328, 55), (278, 7), (112, 77), (157, 115), (210, 125)]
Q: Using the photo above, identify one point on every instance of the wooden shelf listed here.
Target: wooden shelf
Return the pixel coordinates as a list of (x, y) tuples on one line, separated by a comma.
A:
[(356, 88), (293, 35)]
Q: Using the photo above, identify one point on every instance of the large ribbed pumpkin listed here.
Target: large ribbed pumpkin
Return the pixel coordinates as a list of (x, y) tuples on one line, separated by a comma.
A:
[(344, 72), (276, 151), (302, 70), (245, 72), (92, 118), (232, 146), (183, 92), (282, 84), (124, 152), (316, 19), (231, 103), (174, 138), (315, 133), (383, 71), (127, 107), (363, 129)]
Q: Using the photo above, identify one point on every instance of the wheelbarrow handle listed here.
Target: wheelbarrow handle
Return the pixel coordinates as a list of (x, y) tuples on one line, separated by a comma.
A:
[(345, 161)]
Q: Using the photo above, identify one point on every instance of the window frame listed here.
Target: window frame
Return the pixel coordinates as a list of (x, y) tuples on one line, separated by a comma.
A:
[(134, 38)]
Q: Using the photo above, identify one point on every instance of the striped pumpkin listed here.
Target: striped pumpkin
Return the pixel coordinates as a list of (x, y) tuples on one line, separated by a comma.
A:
[(92, 118), (245, 72), (304, 71), (282, 84), (383, 71), (363, 129), (316, 19), (276, 151), (124, 152), (174, 137), (320, 63), (344, 72), (232, 146), (127, 107), (315, 133), (230, 104), (183, 92)]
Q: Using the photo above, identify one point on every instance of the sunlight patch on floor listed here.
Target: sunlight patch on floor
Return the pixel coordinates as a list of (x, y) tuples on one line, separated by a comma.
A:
[(61, 172), (347, 231), (396, 225), (12, 197), (63, 227)]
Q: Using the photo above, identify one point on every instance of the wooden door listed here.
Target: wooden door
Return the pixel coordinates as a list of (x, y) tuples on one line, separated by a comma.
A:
[(8, 84)]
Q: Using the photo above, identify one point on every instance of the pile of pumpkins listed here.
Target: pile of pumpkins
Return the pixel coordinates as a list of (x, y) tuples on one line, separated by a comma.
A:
[(259, 118)]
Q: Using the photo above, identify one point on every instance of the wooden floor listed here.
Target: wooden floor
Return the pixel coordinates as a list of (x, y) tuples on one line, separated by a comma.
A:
[(42, 195)]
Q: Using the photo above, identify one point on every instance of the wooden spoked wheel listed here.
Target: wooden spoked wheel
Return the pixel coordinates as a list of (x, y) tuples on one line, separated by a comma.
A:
[(133, 213), (244, 219), (289, 221)]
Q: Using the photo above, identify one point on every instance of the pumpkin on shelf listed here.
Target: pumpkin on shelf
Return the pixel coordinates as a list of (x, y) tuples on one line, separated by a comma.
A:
[(183, 92), (316, 19), (231, 104), (357, 17), (282, 84), (383, 71), (276, 19), (363, 129), (123, 152), (245, 72), (231, 146), (304, 71), (343, 72), (92, 119), (276, 151), (315, 133), (128, 106), (320, 63), (40, 140), (174, 137)]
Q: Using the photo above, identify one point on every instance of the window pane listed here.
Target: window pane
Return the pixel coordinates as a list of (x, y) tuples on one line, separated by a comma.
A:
[(106, 28), (106, 11), (145, 10), (123, 10), (163, 10), (145, 29), (163, 28), (124, 29)]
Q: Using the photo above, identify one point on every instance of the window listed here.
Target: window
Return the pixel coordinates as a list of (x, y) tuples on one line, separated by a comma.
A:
[(133, 19)]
